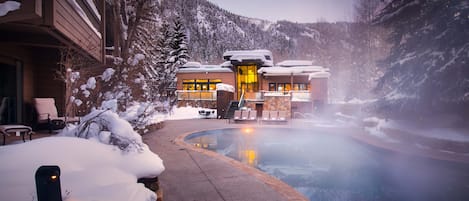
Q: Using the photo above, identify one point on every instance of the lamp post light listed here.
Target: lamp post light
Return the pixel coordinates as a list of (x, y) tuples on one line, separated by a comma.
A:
[(48, 183)]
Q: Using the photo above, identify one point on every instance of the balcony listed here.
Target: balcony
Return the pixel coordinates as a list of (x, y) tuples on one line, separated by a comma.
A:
[(296, 96), (197, 95)]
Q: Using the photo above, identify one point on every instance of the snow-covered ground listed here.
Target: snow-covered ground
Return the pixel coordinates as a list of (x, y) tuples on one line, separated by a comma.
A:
[(450, 134), (100, 159)]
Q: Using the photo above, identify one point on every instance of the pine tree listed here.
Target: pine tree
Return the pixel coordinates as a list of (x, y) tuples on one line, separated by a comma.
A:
[(179, 52), (427, 71)]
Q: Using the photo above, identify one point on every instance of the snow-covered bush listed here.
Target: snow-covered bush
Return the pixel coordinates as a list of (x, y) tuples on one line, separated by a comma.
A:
[(107, 127)]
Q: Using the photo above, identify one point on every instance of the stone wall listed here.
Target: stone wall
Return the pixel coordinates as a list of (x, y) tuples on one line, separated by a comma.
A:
[(279, 103)]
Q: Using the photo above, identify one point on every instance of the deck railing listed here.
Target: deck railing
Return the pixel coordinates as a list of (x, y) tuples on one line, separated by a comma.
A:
[(196, 95), (254, 96)]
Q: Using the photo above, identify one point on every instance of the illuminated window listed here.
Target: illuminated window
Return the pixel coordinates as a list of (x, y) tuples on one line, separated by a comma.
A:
[(247, 79), (272, 87), (288, 87), (200, 84)]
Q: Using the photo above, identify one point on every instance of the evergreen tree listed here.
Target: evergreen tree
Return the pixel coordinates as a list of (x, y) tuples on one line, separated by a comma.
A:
[(427, 70), (179, 52)]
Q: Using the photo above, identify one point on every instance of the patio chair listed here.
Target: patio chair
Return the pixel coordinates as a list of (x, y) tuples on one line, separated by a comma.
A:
[(237, 115), (265, 115), (273, 115), (253, 115), (245, 115), (47, 115), (282, 116)]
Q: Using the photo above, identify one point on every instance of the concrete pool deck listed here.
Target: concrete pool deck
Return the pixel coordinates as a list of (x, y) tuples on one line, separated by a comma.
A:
[(196, 174)]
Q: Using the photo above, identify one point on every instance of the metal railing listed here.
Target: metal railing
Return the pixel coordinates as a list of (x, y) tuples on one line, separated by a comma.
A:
[(196, 95)]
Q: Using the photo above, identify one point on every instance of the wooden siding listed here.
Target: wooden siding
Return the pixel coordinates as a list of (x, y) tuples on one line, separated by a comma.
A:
[(67, 21)]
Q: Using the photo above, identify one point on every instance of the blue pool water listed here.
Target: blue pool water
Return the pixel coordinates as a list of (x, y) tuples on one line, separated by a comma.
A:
[(325, 166)]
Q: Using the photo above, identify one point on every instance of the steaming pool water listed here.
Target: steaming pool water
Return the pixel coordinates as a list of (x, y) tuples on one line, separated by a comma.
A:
[(327, 166)]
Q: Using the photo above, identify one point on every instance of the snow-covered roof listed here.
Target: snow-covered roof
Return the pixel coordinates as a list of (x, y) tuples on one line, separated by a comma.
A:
[(191, 64), (8, 6), (264, 56), (290, 63), (225, 87), (226, 64), (196, 67), (295, 70), (320, 74)]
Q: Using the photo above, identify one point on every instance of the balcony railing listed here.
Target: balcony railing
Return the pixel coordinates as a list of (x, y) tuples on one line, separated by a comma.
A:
[(297, 96), (196, 95)]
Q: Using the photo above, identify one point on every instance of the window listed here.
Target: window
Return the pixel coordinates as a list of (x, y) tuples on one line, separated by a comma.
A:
[(247, 79), (272, 86), (288, 87), (200, 84)]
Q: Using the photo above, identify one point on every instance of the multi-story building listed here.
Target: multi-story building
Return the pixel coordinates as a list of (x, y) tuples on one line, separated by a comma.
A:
[(293, 85)]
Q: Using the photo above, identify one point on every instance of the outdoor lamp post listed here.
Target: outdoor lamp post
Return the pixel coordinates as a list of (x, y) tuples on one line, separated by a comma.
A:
[(48, 183)]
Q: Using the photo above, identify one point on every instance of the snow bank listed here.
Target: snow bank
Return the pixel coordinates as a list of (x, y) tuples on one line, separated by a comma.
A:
[(449, 134), (89, 170), (8, 6), (225, 87), (107, 127)]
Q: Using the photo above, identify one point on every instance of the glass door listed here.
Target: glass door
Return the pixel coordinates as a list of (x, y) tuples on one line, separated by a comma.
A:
[(10, 94), (247, 79)]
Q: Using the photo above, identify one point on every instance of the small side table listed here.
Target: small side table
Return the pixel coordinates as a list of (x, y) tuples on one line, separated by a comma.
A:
[(16, 129)]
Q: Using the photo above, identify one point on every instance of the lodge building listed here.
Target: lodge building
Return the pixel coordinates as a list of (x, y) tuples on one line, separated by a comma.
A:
[(292, 85)]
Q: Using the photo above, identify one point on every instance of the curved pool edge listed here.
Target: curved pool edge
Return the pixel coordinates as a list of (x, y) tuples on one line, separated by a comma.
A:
[(288, 192)]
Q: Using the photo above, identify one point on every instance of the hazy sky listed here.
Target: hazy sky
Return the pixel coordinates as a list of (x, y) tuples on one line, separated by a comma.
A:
[(292, 10)]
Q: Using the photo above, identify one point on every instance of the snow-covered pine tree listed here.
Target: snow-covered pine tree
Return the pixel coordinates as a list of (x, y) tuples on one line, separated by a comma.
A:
[(179, 55), (179, 52), (163, 47), (428, 66)]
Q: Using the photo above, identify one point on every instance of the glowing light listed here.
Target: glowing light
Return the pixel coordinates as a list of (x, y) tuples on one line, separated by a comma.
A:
[(251, 157), (53, 177), (247, 130)]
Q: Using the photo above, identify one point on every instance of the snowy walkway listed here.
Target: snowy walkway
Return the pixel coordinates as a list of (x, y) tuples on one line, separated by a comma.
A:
[(191, 175)]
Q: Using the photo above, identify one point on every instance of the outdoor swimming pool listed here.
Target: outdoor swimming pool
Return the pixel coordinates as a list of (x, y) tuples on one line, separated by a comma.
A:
[(325, 166)]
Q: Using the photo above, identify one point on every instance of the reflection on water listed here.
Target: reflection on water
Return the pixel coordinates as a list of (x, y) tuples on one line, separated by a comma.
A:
[(326, 167)]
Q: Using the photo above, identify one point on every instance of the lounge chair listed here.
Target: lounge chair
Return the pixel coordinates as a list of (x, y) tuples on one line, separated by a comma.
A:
[(273, 115), (265, 115), (47, 115), (253, 115), (236, 115), (245, 115), (282, 116)]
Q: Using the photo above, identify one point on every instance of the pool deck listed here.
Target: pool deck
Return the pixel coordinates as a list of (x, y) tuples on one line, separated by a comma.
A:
[(196, 174)]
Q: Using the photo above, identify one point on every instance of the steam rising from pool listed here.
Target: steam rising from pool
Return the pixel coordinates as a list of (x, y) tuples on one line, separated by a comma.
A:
[(325, 165)]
